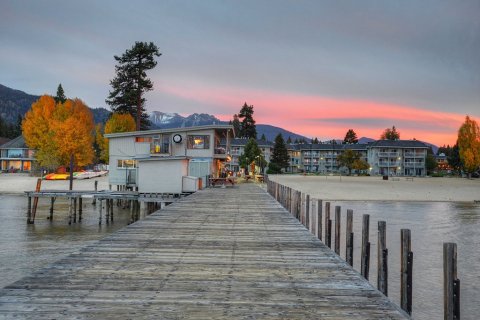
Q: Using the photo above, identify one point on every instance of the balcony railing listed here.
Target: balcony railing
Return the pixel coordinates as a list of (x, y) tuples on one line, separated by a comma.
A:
[(388, 154), (414, 164), (390, 164), (414, 155)]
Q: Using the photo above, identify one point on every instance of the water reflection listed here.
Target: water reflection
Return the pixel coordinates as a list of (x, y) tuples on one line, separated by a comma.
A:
[(25, 248), (431, 224)]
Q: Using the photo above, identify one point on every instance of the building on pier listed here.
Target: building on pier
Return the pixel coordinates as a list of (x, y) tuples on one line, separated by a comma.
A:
[(157, 160)]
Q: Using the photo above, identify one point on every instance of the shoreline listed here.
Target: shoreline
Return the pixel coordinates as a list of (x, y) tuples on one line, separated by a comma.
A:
[(18, 183), (374, 188)]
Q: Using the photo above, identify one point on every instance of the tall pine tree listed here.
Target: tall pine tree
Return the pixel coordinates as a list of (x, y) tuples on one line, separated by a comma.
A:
[(60, 97), (280, 158), (237, 126), (248, 128), (131, 82)]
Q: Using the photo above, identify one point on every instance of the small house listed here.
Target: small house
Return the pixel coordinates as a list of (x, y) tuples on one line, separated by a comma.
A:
[(161, 160)]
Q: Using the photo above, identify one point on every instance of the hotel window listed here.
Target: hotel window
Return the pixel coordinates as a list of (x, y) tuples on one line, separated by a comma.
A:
[(126, 164), (198, 142)]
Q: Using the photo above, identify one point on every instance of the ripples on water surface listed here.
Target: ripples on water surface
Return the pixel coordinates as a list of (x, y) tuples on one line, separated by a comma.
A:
[(26, 248), (431, 224)]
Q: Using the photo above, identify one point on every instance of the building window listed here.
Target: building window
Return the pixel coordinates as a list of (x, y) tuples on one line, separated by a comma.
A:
[(143, 139), (198, 142), (160, 144), (126, 164), (14, 153)]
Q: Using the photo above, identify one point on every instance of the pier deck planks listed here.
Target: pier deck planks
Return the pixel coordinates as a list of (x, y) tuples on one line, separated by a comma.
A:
[(231, 253)]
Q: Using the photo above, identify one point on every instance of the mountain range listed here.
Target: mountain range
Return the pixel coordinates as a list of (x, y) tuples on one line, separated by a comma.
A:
[(15, 103)]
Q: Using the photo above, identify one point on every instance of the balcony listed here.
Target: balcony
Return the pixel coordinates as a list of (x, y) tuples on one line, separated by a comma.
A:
[(388, 154), (414, 155), (414, 164), (390, 164)]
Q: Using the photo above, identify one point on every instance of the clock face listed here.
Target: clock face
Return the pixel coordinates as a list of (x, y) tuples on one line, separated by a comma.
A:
[(177, 138)]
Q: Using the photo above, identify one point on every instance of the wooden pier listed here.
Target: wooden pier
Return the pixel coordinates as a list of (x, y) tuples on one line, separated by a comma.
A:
[(223, 253)]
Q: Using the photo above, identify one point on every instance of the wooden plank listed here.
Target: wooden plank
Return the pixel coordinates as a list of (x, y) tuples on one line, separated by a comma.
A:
[(217, 254)]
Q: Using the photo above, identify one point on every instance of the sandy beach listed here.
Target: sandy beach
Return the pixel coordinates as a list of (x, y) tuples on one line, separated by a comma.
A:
[(322, 187), (374, 188), (17, 183)]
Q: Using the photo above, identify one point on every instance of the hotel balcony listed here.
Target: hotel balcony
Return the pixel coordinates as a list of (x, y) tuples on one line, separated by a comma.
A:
[(414, 164), (390, 164), (388, 154), (414, 155)]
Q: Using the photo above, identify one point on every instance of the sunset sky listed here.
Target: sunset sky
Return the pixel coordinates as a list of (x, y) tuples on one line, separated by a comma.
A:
[(317, 68)]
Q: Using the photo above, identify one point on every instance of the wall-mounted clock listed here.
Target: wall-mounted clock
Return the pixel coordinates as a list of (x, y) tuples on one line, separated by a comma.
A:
[(177, 138)]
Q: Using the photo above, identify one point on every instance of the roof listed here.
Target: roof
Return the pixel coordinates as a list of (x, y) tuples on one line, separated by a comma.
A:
[(326, 146), (398, 144), (170, 130), (18, 142), (166, 158), (243, 141)]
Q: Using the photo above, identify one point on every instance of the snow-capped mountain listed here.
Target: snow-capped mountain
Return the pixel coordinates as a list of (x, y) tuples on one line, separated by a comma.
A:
[(164, 120)]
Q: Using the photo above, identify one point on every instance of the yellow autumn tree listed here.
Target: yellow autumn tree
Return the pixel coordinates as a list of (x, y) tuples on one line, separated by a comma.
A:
[(59, 130), (469, 145), (118, 122), (38, 134)]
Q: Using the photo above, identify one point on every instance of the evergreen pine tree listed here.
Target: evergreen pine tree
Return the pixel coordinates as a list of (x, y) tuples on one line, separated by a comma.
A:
[(263, 137), (280, 158), (237, 126), (350, 137), (131, 82), (60, 97), (289, 140), (248, 129)]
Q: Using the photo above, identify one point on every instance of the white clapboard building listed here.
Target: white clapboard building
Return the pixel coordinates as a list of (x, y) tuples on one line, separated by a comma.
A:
[(167, 160)]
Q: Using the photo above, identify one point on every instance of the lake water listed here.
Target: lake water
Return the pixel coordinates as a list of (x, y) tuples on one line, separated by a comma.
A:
[(26, 248), (431, 224)]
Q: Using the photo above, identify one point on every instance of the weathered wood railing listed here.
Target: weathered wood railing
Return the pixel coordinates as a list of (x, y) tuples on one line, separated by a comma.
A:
[(309, 212)]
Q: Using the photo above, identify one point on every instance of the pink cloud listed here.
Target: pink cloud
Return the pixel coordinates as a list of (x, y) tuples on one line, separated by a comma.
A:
[(324, 117)]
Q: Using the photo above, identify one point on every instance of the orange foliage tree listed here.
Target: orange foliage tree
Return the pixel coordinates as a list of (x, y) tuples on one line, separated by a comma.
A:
[(469, 145), (118, 122), (58, 130)]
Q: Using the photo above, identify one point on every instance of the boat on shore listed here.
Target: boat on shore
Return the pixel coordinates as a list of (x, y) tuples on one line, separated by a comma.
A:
[(85, 174)]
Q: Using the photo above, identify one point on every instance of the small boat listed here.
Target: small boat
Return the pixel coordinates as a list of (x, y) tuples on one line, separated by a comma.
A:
[(57, 176)]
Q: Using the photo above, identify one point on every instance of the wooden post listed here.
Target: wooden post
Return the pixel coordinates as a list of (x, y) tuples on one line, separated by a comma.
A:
[(75, 210), (70, 210), (313, 217), (29, 211), (100, 212), (406, 271), (328, 225), (307, 211), (382, 258), (319, 219), (111, 209), (80, 208), (349, 238), (96, 188), (365, 258), (338, 214), (52, 202), (451, 285), (35, 201)]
